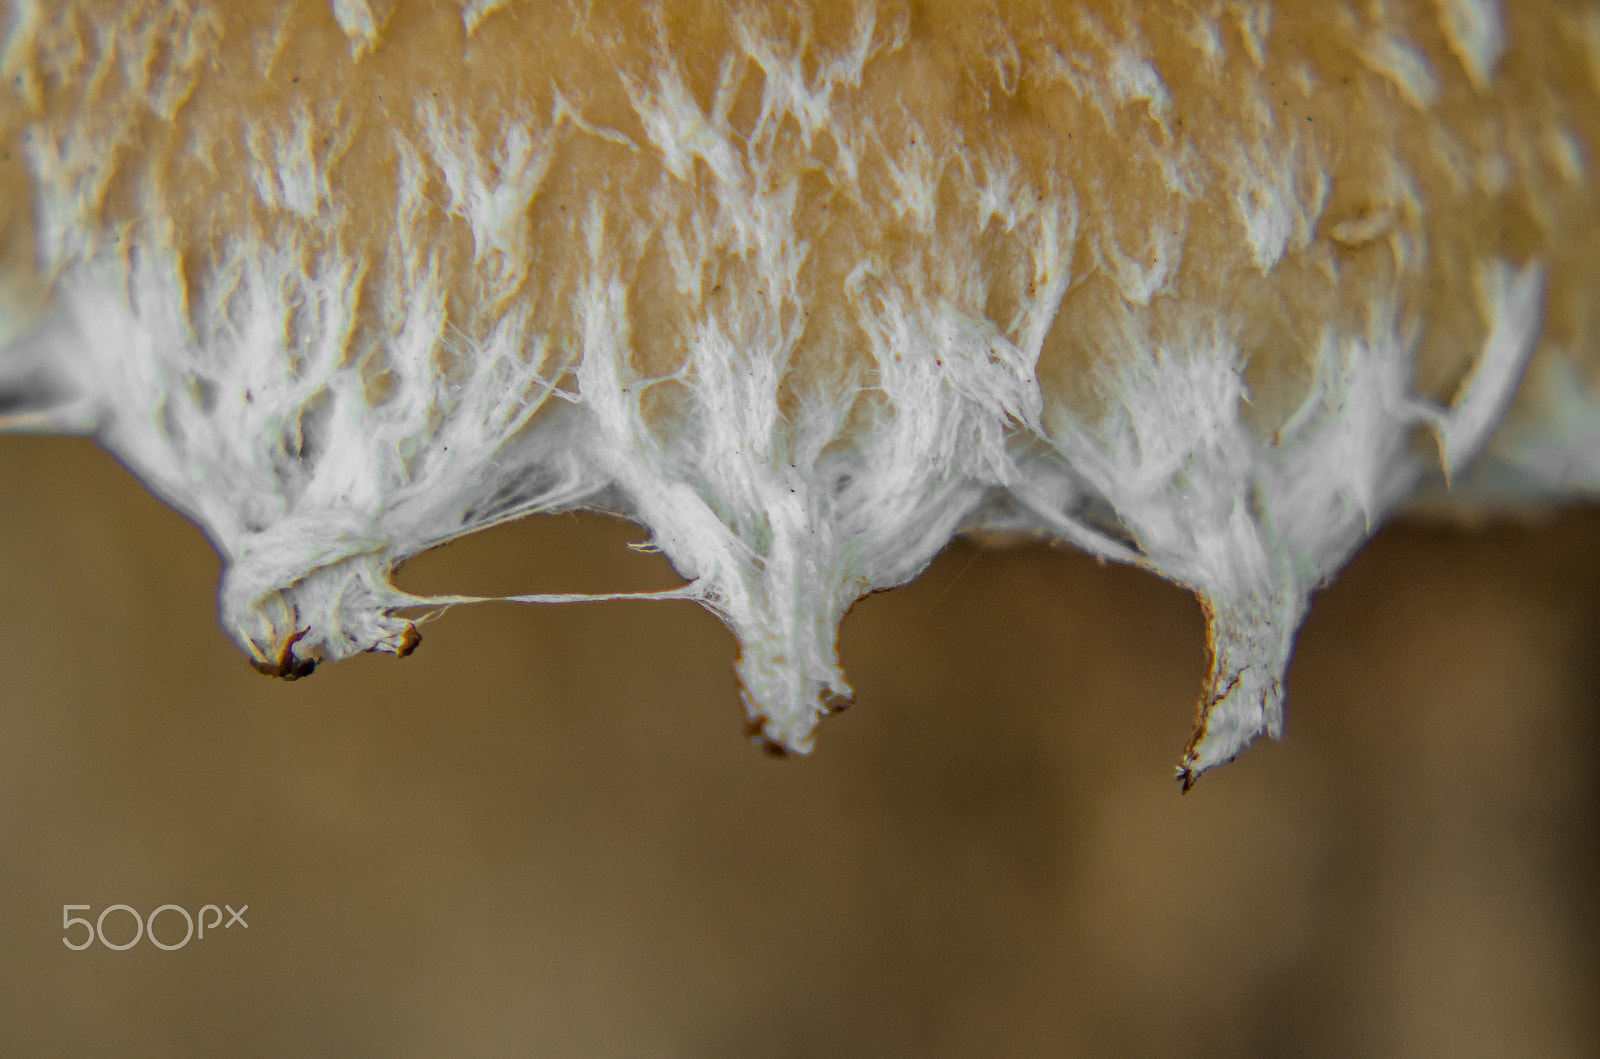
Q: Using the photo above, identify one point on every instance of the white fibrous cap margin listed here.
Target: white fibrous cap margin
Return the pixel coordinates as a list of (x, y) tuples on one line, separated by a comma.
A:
[(794, 318)]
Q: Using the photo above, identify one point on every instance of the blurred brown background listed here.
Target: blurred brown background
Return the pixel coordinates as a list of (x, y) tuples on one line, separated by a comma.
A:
[(544, 833)]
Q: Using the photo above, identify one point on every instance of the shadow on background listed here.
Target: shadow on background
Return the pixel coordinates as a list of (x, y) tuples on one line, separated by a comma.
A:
[(544, 833)]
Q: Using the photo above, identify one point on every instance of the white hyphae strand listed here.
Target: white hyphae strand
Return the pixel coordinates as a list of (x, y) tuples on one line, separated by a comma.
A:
[(805, 290)]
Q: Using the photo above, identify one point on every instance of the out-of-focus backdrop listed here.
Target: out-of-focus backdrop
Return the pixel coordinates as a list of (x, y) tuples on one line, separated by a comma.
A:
[(544, 833)]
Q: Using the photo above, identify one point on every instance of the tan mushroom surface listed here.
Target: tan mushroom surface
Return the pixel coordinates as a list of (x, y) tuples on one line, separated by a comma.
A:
[(806, 291)]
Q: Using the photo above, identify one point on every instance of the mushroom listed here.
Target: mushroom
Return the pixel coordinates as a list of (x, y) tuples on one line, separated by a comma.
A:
[(806, 290)]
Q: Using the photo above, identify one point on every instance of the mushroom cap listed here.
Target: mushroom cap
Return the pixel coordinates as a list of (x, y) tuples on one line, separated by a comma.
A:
[(806, 291)]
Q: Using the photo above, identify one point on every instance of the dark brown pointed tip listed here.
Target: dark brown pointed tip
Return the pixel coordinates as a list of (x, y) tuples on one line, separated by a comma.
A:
[(302, 667), (1187, 777), (836, 703), (408, 641), (755, 728), (286, 666)]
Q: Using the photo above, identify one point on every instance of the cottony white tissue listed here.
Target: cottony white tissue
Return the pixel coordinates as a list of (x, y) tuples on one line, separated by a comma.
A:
[(808, 290)]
